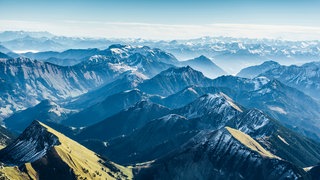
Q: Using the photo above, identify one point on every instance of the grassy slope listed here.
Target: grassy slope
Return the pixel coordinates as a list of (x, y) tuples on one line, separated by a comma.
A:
[(250, 142), (12, 172), (84, 162)]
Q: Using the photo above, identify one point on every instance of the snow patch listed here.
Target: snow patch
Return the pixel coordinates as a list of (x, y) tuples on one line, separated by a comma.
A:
[(260, 81), (277, 109), (6, 111), (308, 168), (283, 140), (26, 51), (121, 67), (172, 117), (264, 91), (105, 144), (96, 58), (192, 90), (231, 102)]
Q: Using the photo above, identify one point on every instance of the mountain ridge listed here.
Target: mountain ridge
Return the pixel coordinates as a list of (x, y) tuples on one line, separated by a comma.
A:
[(204, 153)]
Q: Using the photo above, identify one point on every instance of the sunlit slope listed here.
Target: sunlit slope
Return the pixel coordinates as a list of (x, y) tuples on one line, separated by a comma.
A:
[(65, 159)]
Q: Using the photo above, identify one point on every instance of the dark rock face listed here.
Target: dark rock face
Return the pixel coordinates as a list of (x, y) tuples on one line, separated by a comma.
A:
[(157, 138), (51, 167), (315, 172), (31, 145)]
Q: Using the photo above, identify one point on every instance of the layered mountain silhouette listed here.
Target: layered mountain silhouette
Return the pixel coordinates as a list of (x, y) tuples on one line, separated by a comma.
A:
[(222, 154), (146, 115)]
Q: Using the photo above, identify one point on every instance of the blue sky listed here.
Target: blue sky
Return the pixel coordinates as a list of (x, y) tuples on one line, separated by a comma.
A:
[(159, 19)]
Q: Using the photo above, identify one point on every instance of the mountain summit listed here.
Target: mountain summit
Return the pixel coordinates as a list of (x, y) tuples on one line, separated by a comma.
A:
[(174, 80), (40, 152), (205, 65)]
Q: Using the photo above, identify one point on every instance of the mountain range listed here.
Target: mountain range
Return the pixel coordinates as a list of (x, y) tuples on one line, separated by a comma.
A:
[(149, 140), (136, 112), (42, 80), (45, 149), (176, 87)]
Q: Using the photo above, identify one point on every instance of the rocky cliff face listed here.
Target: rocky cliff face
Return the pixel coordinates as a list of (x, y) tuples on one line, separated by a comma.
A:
[(220, 154), (38, 80)]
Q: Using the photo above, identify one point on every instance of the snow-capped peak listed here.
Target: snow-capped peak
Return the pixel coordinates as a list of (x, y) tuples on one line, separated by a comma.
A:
[(209, 104), (260, 81), (96, 58), (172, 117), (253, 121), (154, 54)]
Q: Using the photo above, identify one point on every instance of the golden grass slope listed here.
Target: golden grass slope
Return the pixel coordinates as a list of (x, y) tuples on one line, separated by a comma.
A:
[(84, 162), (250, 143), (13, 172)]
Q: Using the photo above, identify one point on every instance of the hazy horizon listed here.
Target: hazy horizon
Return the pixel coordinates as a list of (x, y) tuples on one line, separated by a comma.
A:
[(165, 20)]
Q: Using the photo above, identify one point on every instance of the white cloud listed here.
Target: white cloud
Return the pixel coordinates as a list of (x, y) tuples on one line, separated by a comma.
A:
[(164, 31)]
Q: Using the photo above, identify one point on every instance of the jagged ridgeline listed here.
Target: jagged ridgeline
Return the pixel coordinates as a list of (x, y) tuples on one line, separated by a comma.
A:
[(40, 152)]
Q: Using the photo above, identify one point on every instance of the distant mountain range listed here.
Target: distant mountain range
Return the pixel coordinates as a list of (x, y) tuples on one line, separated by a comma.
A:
[(305, 77), (253, 71), (74, 56), (6, 137), (224, 50)]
